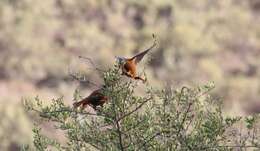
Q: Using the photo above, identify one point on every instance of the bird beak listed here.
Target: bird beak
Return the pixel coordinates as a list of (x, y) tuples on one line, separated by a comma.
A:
[(119, 59)]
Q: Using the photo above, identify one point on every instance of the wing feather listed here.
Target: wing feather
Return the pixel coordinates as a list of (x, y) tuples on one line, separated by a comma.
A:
[(140, 56)]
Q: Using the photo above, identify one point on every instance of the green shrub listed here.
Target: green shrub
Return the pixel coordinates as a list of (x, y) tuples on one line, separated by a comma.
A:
[(168, 119)]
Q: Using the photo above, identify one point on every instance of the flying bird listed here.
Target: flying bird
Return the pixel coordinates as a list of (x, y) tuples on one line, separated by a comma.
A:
[(96, 98), (129, 65)]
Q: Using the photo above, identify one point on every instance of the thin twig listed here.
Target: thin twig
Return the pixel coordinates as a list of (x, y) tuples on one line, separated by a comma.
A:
[(92, 63), (135, 126), (88, 142), (47, 114), (231, 146), (149, 140), (189, 124), (120, 136), (183, 120), (203, 93), (84, 80), (131, 112)]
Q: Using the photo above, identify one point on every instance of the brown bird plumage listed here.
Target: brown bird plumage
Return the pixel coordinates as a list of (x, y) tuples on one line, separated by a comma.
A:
[(129, 65), (96, 98)]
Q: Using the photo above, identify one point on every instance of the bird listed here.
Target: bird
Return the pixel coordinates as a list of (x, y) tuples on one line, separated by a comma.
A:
[(96, 98), (129, 65)]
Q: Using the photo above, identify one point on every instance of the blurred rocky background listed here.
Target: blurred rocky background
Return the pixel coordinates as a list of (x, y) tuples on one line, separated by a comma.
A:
[(199, 41)]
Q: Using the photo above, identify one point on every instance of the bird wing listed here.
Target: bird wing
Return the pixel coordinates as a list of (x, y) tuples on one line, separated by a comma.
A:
[(140, 56), (96, 96)]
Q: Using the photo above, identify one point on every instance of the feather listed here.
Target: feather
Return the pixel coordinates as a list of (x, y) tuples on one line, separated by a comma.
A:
[(140, 56)]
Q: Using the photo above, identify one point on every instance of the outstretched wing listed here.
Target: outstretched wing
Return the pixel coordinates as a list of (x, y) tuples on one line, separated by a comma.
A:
[(140, 56)]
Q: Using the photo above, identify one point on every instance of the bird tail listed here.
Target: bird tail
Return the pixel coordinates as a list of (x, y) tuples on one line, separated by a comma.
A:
[(82, 102)]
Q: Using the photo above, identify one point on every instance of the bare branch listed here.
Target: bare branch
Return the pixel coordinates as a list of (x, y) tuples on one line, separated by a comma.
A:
[(182, 122), (120, 136), (47, 114), (92, 63), (81, 78), (150, 139)]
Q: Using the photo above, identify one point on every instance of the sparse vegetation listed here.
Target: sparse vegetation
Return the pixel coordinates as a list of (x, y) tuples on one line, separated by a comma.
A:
[(168, 119)]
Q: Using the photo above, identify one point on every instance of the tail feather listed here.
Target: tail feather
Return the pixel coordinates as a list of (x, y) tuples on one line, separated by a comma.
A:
[(82, 102)]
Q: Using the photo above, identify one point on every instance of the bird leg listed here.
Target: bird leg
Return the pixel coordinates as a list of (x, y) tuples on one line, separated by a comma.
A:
[(139, 78), (133, 76)]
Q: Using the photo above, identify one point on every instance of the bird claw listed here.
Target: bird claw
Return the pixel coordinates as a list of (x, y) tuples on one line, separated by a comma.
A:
[(145, 80)]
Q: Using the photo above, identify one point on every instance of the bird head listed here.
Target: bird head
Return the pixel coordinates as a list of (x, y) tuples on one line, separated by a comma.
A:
[(120, 60)]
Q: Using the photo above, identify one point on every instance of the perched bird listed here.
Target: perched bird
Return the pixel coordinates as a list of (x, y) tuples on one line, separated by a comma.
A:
[(96, 98), (129, 65)]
